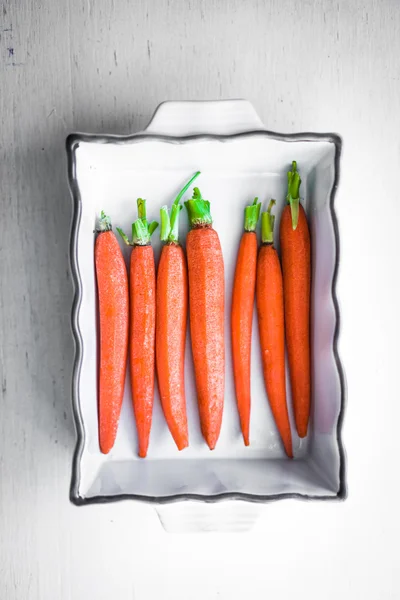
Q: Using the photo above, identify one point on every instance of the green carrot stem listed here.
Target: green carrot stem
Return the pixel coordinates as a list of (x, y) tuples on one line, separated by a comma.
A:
[(293, 195), (123, 236), (170, 223), (267, 224), (140, 233), (165, 223), (104, 222), (174, 223), (186, 187), (198, 210), (141, 229), (152, 226), (141, 208), (251, 215)]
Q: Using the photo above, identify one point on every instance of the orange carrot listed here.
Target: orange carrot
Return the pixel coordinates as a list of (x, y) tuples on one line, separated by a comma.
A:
[(271, 326), (171, 319), (112, 285), (206, 307), (142, 323), (244, 286), (296, 265)]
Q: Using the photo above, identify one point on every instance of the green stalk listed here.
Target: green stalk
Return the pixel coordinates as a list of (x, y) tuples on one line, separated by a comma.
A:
[(174, 222), (170, 223), (165, 223), (140, 233), (141, 209), (251, 215), (293, 195), (124, 236), (104, 223), (186, 187), (141, 229), (152, 226), (198, 210), (267, 224)]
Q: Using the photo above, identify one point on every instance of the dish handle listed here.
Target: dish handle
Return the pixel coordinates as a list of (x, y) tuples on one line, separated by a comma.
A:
[(195, 517), (219, 117)]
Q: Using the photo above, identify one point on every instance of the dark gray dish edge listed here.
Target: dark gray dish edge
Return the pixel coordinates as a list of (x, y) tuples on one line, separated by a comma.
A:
[(72, 143)]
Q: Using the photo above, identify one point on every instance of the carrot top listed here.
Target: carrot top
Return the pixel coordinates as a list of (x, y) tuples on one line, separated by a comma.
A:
[(251, 215), (170, 222), (267, 224), (198, 210), (142, 230), (104, 223), (293, 196)]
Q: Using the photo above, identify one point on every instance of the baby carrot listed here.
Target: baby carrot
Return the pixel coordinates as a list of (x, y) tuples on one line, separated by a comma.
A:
[(112, 286), (171, 320), (142, 323), (296, 266), (206, 308), (242, 314), (271, 326)]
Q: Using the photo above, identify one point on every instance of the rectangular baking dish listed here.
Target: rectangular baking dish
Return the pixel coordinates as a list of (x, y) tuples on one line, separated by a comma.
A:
[(238, 159)]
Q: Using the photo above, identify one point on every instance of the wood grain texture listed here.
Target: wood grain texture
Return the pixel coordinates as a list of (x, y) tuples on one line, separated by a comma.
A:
[(103, 66)]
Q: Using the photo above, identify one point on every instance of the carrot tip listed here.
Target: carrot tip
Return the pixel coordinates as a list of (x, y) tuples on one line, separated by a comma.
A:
[(182, 446), (105, 445), (142, 453), (211, 440), (302, 429), (289, 449)]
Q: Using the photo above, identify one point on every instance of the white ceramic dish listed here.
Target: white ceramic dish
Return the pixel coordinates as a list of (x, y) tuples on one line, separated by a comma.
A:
[(238, 160)]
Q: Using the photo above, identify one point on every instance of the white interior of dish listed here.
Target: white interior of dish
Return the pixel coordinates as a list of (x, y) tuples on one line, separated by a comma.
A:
[(110, 177)]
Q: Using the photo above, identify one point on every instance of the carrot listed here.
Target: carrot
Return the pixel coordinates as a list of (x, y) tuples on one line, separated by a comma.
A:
[(244, 286), (206, 308), (142, 323), (296, 265), (171, 319), (271, 326), (112, 285)]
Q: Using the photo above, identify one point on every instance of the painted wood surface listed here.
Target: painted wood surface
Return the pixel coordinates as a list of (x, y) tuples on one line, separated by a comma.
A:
[(103, 66)]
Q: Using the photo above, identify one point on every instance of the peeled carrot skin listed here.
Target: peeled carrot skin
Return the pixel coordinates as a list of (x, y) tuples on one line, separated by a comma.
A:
[(296, 265), (171, 320), (241, 325), (142, 340), (206, 307), (272, 338), (112, 283)]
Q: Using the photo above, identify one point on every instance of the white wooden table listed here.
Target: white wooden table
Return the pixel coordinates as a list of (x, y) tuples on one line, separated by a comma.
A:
[(103, 66)]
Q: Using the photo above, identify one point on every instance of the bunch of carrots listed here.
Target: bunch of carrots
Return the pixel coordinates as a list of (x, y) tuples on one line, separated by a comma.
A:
[(156, 320), (283, 304), (148, 313)]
